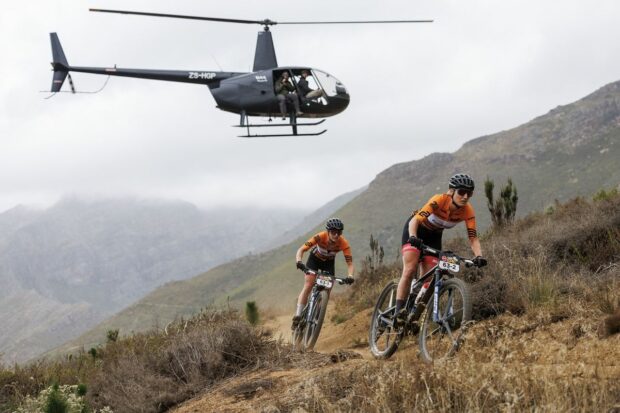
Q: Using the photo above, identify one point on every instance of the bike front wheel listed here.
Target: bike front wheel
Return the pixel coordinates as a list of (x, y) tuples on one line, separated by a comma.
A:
[(315, 320), (439, 338), (383, 337), (298, 335)]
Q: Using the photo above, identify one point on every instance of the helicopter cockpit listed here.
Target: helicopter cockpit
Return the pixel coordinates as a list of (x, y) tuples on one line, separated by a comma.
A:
[(326, 89), (330, 85)]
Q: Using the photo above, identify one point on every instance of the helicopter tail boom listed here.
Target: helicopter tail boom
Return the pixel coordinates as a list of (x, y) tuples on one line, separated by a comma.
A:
[(59, 63)]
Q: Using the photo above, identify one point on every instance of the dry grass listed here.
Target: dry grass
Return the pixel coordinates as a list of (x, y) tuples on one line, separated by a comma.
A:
[(464, 386), (154, 371)]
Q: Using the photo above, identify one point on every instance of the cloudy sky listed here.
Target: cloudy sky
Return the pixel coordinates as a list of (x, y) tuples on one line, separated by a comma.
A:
[(481, 67)]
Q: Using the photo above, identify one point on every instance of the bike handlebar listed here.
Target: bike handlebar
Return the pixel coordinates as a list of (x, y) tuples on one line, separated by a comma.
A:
[(432, 251), (340, 280)]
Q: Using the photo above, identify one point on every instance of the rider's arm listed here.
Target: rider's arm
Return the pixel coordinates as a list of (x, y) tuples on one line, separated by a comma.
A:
[(475, 246), (424, 213), (300, 254), (472, 234), (348, 257), (350, 269), (413, 227), (307, 245)]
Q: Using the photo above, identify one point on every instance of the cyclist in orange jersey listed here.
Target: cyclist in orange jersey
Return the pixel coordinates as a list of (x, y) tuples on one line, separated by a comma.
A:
[(323, 249), (425, 226)]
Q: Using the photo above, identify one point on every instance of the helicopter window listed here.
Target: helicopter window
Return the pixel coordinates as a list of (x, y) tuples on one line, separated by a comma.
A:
[(328, 83)]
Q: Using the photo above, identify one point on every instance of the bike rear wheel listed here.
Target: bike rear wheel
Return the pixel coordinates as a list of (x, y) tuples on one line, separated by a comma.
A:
[(439, 339), (315, 321), (383, 338)]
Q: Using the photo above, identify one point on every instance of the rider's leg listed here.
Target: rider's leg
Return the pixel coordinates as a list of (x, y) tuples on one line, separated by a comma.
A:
[(302, 300), (305, 292), (410, 264)]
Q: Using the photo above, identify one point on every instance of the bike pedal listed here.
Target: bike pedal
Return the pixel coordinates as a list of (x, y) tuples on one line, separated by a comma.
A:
[(414, 327)]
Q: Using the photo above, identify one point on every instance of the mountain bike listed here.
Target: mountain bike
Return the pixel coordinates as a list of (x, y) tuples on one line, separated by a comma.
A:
[(444, 307), (307, 331)]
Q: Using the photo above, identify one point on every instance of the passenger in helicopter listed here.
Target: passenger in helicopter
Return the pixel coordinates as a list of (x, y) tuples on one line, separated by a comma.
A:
[(285, 92), (306, 91)]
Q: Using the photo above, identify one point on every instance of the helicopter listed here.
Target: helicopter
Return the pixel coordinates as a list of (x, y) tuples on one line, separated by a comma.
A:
[(248, 94)]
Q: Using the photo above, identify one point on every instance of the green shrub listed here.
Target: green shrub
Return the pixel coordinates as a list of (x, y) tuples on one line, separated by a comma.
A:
[(112, 335), (603, 195), (251, 312), (504, 208), (56, 402)]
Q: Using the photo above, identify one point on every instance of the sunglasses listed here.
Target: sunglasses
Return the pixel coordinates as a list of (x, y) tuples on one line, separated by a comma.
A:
[(336, 231), (463, 192)]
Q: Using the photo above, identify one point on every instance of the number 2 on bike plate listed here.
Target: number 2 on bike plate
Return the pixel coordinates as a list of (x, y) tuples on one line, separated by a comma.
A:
[(324, 282), (445, 265)]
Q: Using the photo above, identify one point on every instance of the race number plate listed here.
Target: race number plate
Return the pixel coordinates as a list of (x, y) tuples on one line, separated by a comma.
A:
[(324, 282), (444, 265)]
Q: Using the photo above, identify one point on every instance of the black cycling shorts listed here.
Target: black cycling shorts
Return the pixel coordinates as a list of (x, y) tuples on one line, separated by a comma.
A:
[(428, 237), (316, 264)]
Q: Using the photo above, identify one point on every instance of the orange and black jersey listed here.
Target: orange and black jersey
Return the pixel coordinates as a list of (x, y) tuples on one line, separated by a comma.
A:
[(324, 249), (436, 215)]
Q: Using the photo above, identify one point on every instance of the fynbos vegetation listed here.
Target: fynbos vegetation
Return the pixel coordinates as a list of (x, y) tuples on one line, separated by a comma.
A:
[(504, 208), (251, 312)]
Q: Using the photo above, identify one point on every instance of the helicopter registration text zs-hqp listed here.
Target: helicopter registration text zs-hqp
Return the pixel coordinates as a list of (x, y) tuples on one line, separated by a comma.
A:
[(201, 75)]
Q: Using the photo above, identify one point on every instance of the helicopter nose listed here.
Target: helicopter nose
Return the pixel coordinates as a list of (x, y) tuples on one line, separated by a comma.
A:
[(340, 101)]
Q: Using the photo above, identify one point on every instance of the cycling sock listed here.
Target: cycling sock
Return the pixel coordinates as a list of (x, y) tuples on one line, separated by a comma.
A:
[(399, 305), (300, 308)]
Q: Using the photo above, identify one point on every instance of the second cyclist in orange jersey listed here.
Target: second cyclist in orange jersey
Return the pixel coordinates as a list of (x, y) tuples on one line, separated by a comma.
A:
[(426, 226), (323, 248)]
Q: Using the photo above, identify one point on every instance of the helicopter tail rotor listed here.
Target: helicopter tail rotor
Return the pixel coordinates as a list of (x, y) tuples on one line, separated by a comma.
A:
[(59, 64)]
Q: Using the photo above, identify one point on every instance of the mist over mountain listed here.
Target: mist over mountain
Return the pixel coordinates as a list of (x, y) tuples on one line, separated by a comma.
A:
[(310, 221), (68, 267), (571, 151)]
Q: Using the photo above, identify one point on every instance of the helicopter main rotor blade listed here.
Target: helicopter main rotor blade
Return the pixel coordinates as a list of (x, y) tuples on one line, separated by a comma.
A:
[(362, 22), (181, 16), (265, 22)]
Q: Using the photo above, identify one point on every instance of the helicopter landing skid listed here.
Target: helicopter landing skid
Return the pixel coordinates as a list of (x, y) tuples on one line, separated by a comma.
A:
[(294, 125)]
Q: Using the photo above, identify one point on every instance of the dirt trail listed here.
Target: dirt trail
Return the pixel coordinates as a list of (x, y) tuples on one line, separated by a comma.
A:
[(255, 391), (545, 349), (349, 335)]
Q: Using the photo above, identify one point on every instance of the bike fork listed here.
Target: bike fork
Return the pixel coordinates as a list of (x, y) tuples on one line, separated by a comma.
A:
[(438, 284), (310, 307)]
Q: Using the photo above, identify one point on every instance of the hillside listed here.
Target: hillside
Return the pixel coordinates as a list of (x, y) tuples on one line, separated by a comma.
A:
[(66, 268), (572, 150)]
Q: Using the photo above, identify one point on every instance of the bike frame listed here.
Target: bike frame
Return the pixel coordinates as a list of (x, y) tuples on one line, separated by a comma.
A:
[(316, 290), (436, 275)]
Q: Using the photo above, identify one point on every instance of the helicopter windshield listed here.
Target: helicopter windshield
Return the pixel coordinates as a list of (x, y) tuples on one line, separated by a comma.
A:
[(330, 85)]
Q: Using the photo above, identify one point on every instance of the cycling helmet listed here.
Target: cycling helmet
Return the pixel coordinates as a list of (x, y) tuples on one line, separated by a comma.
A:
[(461, 181), (334, 224)]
